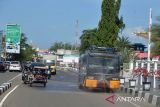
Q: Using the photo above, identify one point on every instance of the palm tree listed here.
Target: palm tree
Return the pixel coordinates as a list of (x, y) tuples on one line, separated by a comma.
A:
[(88, 38), (123, 46), (122, 42), (155, 38)]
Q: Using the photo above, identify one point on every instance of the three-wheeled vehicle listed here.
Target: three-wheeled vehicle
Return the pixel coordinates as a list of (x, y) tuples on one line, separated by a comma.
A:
[(38, 75), (53, 69)]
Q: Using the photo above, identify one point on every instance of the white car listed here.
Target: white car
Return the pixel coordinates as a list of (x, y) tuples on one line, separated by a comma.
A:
[(15, 66)]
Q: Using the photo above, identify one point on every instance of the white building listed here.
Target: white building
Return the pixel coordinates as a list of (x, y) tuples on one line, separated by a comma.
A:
[(68, 58), (71, 58)]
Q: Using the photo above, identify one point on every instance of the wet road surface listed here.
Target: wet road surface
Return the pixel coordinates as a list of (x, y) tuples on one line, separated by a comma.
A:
[(61, 91)]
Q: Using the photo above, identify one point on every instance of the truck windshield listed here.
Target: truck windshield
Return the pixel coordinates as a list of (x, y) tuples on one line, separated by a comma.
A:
[(108, 64)]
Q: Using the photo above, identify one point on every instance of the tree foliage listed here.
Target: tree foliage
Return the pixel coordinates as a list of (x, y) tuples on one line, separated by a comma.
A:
[(122, 42), (109, 26), (123, 46), (26, 51), (110, 23), (88, 38), (61, 45), (156, 49), (156, 38)]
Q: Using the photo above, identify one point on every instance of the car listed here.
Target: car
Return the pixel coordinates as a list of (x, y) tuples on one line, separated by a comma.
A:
[(15, 66), (3, 67)]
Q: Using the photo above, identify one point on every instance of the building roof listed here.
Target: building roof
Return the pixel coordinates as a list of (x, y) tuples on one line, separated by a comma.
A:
[(142, 55)]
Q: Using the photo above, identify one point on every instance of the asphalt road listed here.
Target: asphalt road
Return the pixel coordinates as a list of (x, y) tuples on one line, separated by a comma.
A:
[(6, 76), (61, 91)]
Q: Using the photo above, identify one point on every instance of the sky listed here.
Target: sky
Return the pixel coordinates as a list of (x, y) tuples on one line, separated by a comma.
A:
[(47, 21)]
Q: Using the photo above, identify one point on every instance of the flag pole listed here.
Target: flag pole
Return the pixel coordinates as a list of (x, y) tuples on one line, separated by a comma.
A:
[(149, 45), (149, 35)]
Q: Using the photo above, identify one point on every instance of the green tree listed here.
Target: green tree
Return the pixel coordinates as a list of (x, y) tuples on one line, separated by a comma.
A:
[(156, 31), (123, 46), (26, 51), (156, 49), (56, 45), (155, 37), (110, 23), (88, 38), (61, 45), (122, 42), (67, 46)]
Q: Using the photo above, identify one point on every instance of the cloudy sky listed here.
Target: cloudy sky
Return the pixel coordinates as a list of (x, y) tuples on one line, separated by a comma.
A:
[(47, 21)]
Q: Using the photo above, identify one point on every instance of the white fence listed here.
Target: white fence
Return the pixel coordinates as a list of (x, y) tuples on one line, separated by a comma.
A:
[(151, 66)]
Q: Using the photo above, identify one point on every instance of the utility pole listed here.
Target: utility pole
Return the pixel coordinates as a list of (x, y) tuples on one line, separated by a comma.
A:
[(149, 39), (149, 34), (149, 46), (1, 42), (77, 34)]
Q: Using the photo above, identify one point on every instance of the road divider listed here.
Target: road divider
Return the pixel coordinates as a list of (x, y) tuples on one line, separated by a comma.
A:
[(3, 100), (1, 91), (4, 87), (149, 98)]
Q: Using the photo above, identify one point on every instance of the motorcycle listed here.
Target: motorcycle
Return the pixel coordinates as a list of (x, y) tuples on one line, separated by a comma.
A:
[(25, 77)]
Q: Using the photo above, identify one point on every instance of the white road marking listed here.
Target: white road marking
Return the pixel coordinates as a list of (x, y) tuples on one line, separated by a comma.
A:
[(130, 102), (6, 96), (14, 77)]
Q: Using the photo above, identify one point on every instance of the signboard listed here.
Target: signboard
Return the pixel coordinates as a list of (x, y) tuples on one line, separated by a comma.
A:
[(13, 36)]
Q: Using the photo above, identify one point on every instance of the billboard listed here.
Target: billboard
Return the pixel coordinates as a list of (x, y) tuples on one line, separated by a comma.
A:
[(12, 39)]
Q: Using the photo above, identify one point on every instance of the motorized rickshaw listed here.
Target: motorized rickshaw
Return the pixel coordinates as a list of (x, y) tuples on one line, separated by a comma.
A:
[(38, 75)]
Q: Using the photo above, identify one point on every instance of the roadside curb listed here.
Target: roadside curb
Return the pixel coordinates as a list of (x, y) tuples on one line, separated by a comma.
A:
[(4, 87), (149, 98)]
